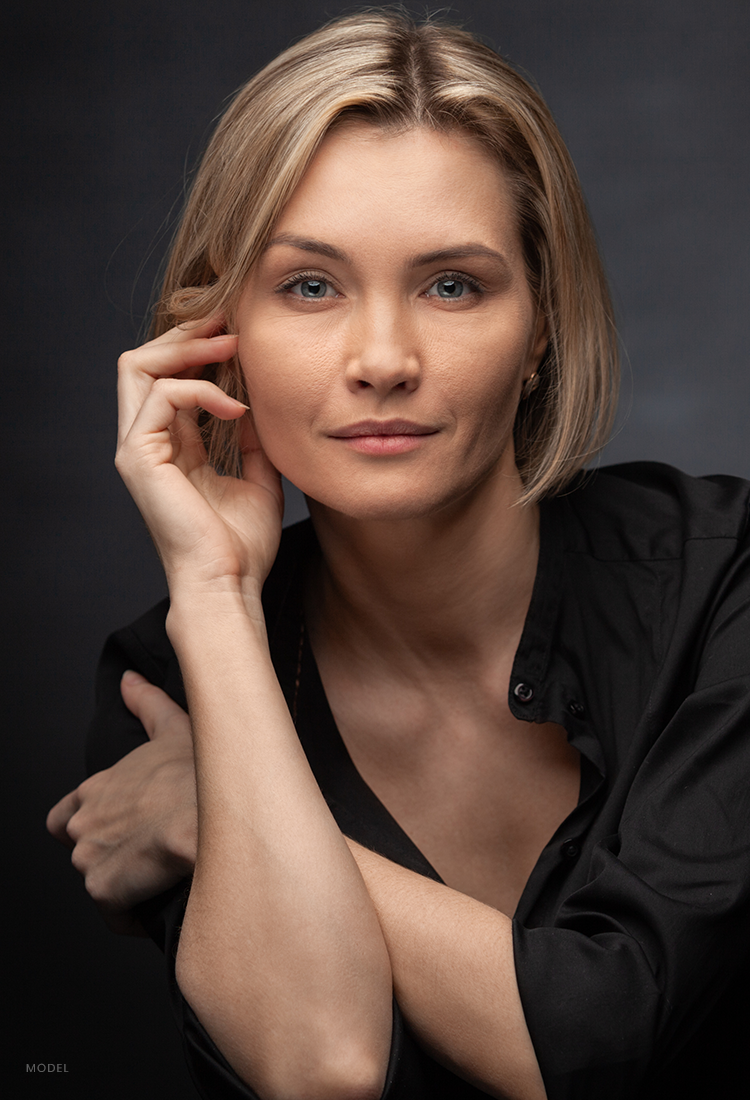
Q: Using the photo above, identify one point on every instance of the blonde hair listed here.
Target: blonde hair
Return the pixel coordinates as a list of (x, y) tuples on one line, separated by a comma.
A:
[(382, 67)]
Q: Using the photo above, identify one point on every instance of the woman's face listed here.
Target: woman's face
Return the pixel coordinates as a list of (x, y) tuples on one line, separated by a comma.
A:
[(386, 332)]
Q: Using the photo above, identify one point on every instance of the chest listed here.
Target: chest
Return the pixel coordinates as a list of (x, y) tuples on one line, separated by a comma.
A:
[(479, 793)]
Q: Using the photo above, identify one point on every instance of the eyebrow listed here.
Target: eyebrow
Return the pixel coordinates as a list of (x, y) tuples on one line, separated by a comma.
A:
[(459, 251), (309, 244), (455, 252)]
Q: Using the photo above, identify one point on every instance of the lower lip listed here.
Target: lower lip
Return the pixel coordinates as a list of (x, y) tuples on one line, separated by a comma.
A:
[(384, 444)]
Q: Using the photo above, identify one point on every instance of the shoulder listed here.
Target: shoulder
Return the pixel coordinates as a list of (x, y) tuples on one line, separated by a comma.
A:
[(654, 566), (649, 511)]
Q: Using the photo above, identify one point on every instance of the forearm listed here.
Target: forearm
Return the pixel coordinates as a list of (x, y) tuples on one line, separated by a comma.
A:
[(454, 978), (281, 954)]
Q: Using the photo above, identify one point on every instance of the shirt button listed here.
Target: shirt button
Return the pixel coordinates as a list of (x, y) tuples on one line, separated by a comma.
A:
[(576, 709), (523, 692), (570, 848)]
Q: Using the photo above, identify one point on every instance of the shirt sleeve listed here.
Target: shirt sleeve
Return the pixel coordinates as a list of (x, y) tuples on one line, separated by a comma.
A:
[(142, 647), (652, 946)]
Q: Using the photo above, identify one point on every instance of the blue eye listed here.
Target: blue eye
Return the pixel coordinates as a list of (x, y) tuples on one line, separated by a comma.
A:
[(450, 288), (310, 288), (313, 288)]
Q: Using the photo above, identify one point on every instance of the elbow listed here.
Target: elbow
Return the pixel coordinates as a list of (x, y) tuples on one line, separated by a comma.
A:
[(336, 1074), (354, 1077), (322, 1062)]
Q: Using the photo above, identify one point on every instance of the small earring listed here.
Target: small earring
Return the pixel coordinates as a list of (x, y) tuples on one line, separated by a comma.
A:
[(530, 385)]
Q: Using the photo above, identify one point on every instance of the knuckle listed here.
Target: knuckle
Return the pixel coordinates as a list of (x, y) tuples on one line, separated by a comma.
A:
[(121, 459), (85, 786), (184, 847), (54, 821), (162, 385), (97, 887), (89, 789), (126, 361), (80, 858)]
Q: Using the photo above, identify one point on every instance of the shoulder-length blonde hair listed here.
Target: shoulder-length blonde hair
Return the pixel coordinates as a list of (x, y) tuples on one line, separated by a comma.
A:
[(382, 67)]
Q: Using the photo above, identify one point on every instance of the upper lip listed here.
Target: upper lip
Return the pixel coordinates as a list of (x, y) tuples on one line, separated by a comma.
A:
[(383, 427)]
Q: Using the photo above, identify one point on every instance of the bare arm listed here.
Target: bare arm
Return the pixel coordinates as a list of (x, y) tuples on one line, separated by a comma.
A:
[(280, 938), (454, 977)]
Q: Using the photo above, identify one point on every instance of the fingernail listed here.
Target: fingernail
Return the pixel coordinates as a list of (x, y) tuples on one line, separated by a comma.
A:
[(129, 676), (224, 336)]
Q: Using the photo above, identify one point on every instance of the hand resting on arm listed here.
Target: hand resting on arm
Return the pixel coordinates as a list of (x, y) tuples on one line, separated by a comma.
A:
[(133, 829)]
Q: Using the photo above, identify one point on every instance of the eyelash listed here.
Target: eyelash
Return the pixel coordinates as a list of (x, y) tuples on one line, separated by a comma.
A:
[(302, 277), (457, 276), (444, 277)]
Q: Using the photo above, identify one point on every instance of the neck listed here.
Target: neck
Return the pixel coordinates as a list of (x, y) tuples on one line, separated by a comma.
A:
[(451, 587)]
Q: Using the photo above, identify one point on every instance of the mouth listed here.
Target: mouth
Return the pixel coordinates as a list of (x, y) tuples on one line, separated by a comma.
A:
[(382, 428), (384, 437)]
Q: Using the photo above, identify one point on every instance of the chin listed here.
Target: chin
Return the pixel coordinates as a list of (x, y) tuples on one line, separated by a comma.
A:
[(372, 509), (404, 503), (410, 492)]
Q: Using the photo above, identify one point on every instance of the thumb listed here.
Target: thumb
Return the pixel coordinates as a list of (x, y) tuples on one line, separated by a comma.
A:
[(157, 711)]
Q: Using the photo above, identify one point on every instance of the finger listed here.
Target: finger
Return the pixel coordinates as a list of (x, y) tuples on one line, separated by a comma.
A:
[(174, 353), (102, 889), (169, 396), (171, 355), (181, 338), (60, 815), (156, 445), (215, 325), (159, 714), (187, 441)]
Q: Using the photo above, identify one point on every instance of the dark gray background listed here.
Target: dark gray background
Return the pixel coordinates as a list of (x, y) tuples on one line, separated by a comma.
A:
[(109, 102)]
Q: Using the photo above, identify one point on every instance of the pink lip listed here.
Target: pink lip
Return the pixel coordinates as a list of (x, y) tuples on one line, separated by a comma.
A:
[(384, 437), (381, 428)]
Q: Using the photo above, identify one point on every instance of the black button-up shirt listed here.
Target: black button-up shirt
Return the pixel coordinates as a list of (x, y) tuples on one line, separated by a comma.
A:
[(632, 936)]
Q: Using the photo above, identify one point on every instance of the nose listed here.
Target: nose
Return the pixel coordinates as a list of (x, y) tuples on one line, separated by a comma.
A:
[(382, 355)]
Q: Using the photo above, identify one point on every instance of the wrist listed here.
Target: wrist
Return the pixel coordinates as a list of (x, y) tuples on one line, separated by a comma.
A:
[(199, 611)]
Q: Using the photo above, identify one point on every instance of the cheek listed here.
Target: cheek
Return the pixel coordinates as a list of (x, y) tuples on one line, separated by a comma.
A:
[(485, 376), (285, 383)]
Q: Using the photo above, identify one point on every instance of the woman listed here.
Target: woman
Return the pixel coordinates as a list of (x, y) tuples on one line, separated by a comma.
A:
[(469, 749)]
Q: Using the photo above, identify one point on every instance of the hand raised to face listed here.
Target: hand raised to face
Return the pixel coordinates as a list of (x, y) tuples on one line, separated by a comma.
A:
[(206, 527)]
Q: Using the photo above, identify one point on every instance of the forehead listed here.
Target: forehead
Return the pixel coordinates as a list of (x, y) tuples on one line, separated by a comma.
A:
[(416, 182)]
